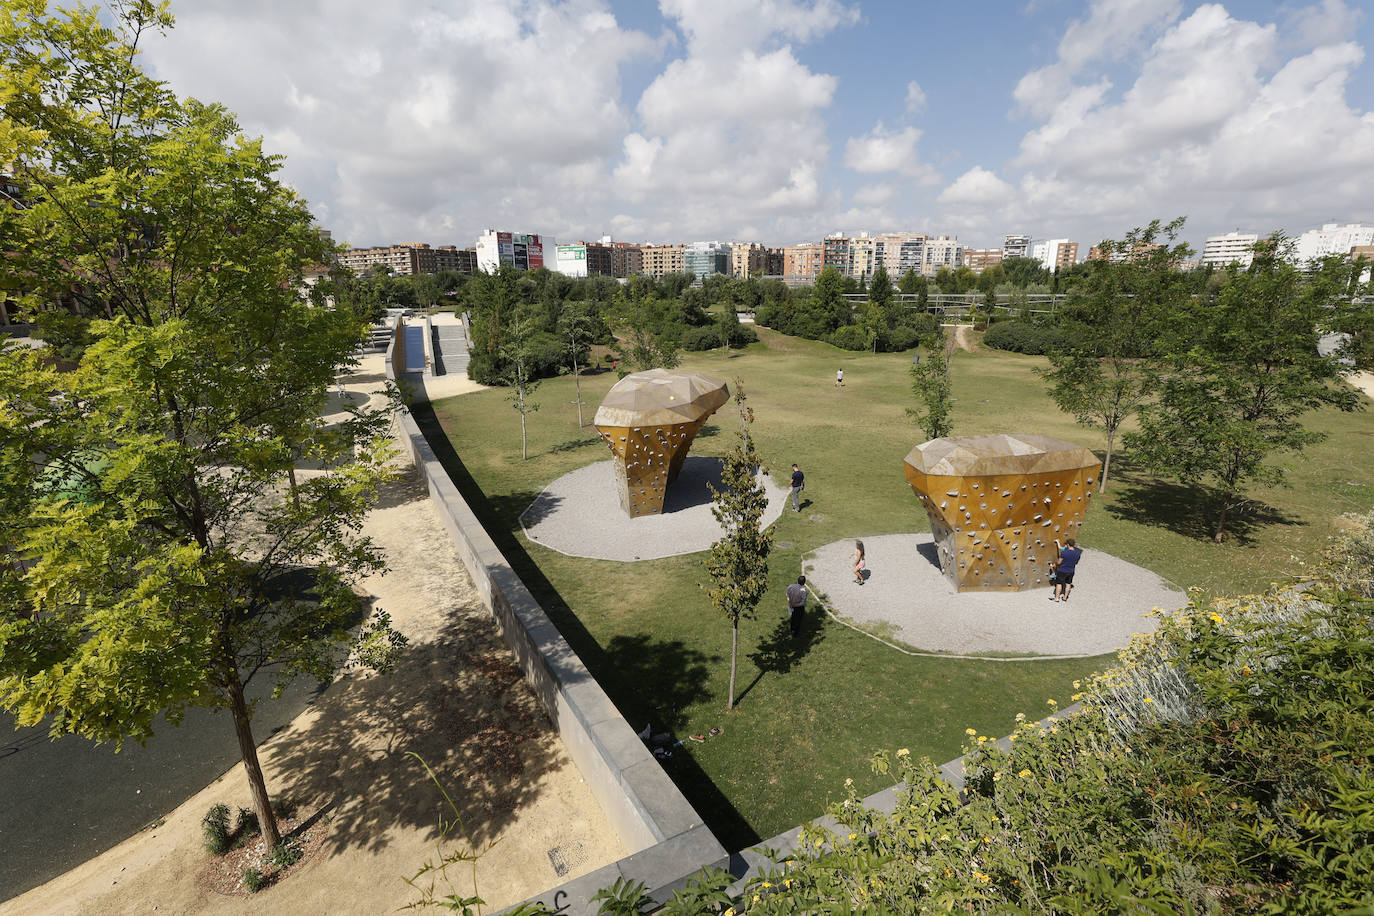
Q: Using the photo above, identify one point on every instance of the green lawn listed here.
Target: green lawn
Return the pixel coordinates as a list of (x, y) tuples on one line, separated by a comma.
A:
[(812, 714)]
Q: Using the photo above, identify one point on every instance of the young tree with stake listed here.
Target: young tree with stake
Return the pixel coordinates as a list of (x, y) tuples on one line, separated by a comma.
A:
[(738, 562)]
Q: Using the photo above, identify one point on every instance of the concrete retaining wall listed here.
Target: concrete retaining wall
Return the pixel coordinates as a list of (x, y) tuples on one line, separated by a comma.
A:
[(665, 835)]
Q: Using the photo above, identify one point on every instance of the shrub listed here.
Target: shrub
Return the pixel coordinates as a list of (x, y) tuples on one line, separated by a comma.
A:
[(901, 338), (703, 338), (850, 337), (1022, 337), (215, 829), (741, 335), (285, 854), (253, 880), (246, 825)]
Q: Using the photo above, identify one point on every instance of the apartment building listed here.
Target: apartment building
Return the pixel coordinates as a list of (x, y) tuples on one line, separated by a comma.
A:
[(626, 260), (658, 261), (1055, 254), (980, 259), (1231, 248), (453, 258), (523, 251), (772, 262), (863, 257), (801, 263), (1015, 246), (942, 251), (748, 259), (901, 252), (836, 253)]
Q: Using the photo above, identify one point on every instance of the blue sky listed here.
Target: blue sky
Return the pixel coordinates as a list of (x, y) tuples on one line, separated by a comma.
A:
[(785, 120)]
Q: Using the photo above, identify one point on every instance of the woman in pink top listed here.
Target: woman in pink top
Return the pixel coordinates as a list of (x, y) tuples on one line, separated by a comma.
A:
[(859, 564)]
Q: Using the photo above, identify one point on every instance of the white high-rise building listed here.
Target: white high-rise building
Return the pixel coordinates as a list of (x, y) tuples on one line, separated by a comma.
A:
[(1054, 254), (520, 250), (1331, 239), (1231, 248), (1015, 246)]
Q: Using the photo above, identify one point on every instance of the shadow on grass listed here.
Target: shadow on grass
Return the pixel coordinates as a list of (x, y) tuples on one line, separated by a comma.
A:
[(659, 679), (636, 698), (1188, 511), (779, 652), (573, 445)]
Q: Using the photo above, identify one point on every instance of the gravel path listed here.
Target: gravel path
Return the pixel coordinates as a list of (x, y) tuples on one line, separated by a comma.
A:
[(579, 514), (907, 598)]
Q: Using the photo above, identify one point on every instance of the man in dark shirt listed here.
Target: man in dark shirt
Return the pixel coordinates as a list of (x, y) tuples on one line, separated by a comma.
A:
[(798, 482), (1069, 556), (796, 604)]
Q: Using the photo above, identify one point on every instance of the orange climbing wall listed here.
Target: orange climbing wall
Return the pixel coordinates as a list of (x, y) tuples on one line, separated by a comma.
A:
[(647, 460), (996, 532)]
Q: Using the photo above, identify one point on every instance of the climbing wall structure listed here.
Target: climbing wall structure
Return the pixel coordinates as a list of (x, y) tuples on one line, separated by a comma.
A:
[(998, 503), (649, 420)]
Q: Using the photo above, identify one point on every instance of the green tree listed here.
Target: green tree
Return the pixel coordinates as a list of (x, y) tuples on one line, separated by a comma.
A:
[(1116, 315), (738, 562), (828, 305), (1237, 394), (578, 328), (171, 580), (492, 300), (648, 336), (911, 282), (520, 377), (930, 383)]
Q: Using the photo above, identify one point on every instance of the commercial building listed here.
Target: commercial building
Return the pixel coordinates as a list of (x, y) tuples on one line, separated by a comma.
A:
[(658, 261), (1055, 254), (1331, 239), (1231, 248), (980, 259), (584, 259), (510, 249), (801, 263), (1016, 246), (702, 259)]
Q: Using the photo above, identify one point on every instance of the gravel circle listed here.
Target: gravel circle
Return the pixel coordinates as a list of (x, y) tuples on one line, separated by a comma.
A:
[(905, 598), (579, 514)]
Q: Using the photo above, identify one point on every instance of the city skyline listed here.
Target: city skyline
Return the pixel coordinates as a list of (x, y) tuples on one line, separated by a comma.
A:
[(801, 119)]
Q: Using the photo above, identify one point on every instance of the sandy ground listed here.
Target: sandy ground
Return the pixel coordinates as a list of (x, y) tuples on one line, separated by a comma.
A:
[(579, 514), (456, 699), (1364, 381), (905, 597)]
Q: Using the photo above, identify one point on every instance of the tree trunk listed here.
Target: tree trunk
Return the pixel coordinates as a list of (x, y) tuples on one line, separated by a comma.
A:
[(243, 727), (577, 380), (1220, 534), (734, 655), (1106, 463), (524, 451)]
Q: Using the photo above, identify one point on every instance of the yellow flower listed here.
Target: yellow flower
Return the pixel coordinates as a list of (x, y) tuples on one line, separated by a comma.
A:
[(1076, 697), (1020, 717), (1148, 700), (853, 836), (982, 877), (1216, 618), (1076, 685), (982, 738), (1052, 702), (756, 898), (767, 884), (996, 777), (1024, 773), (1246, 671), (970, 731), (903, 753)]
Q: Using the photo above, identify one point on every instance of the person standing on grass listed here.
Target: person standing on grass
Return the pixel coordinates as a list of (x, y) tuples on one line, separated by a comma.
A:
[(796, 604), (798, 484), (1069, 556), (839, 378)]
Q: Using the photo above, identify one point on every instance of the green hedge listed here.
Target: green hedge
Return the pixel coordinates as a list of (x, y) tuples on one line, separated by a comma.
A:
[(1024, 337)]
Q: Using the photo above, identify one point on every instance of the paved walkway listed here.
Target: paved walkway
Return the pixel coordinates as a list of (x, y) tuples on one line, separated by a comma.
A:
[(907, 599), (579, 514)]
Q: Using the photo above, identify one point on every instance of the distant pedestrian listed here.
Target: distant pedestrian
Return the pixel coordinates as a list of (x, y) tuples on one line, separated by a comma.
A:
[(859, 564), (1069, 555), (839, 378), (796, 604), (798, 484)]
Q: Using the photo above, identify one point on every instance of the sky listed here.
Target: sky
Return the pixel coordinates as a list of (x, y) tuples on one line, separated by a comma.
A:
[(783, 121)]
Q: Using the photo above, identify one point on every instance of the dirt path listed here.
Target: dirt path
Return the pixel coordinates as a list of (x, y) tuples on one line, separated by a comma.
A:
[(456, 698), (963, 338), (1364, 381)]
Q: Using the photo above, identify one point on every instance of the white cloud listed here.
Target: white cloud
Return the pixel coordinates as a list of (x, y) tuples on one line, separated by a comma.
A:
[(1229, 121), (882, 150), (915, 98), (872, 195), (407, 120), (978, 186)]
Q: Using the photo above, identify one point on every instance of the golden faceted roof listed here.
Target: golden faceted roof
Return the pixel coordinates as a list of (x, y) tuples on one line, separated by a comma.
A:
[(661, 397), (1001, 453)]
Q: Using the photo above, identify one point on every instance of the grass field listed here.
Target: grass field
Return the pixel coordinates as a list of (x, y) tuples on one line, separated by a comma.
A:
[(813, 711)]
